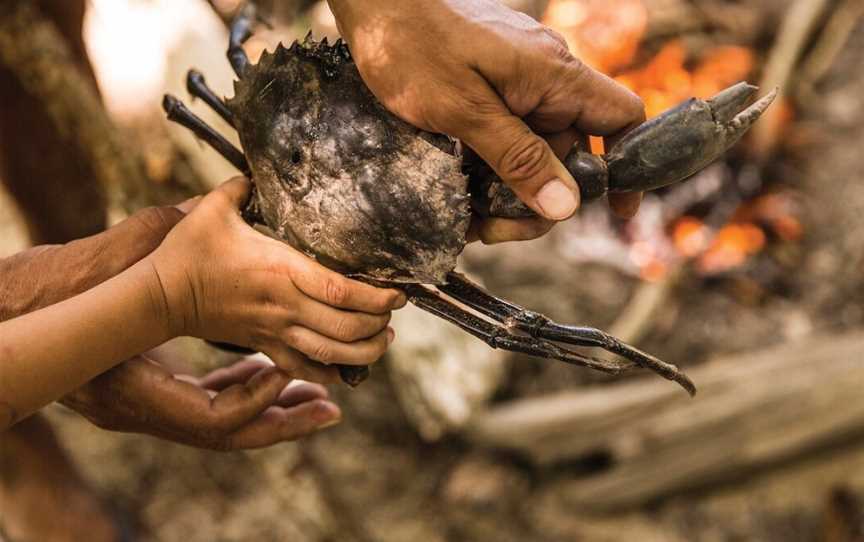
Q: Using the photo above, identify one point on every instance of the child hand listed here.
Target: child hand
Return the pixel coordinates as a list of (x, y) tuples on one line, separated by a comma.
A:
[(223, 281)]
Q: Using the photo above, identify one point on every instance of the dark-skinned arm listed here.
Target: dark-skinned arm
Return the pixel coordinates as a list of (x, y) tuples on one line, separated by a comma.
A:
[(48, 274)]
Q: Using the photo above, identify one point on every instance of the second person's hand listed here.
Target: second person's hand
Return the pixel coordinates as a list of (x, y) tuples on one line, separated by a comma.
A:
[(221, 280)]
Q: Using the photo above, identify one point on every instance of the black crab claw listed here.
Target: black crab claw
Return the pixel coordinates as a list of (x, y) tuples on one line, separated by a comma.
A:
[(684, 140), (662, 151)]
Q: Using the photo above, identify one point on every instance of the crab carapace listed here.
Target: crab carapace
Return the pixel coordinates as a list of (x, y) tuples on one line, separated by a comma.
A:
[(339, 177)]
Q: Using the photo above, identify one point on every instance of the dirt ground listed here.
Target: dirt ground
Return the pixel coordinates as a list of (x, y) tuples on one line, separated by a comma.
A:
[(372, 478)]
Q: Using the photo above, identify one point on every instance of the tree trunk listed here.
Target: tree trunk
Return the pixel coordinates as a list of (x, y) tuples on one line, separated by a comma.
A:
[(54, 185)]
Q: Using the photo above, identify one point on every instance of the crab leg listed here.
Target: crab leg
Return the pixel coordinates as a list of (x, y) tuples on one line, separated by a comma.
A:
[(240, 31), (179, 113), (197, 87), (543, 329), (498, 336)]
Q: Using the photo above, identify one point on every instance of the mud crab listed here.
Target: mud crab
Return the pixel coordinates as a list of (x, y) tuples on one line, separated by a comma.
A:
[(341, 178)]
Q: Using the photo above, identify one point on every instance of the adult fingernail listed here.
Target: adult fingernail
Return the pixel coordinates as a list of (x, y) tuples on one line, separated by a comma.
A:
[(391, 334), (556, 200)]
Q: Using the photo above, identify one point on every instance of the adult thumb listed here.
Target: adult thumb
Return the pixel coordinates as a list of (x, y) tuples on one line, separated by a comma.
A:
[(524, 161)]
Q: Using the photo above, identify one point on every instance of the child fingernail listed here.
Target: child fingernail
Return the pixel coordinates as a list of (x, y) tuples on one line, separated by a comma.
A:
[(391, 335), (329, 423)]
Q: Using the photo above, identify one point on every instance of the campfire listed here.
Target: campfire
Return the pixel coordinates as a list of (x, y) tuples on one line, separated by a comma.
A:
[(719, 220)]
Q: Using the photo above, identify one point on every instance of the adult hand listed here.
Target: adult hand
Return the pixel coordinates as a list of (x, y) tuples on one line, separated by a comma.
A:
[(221, 280), (502, 83), (246, 405), (48, 274)]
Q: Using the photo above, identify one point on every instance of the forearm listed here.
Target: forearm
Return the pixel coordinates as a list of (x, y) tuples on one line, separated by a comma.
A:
[(52, 351), (46, 275)]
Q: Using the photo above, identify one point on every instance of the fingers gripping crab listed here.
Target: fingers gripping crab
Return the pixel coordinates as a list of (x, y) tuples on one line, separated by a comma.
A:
[(339, 177)]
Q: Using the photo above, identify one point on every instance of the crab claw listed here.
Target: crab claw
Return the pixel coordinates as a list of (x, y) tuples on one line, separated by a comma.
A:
[(665, 150), (683, 140)]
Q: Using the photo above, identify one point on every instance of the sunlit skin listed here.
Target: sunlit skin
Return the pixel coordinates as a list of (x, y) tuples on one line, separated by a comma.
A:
[(502, 83), (212, 277)]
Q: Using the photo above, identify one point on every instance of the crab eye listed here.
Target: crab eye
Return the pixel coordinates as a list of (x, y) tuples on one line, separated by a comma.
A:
[(296, 157)]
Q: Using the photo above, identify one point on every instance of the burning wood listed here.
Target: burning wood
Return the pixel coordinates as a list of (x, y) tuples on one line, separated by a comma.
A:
[(744, 236)]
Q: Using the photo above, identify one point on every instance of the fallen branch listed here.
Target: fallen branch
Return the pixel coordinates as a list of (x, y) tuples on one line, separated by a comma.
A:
[(752, 411)]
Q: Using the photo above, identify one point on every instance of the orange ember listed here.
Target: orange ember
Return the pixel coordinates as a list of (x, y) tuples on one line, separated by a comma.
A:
[(690, 236), (778, 211), (604, 34), (732, 246), (665, 80), (729, 248), (744, 236), (645, 255)]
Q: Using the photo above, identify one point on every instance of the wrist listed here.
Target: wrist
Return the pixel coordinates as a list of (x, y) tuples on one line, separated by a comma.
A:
[(165, 304)]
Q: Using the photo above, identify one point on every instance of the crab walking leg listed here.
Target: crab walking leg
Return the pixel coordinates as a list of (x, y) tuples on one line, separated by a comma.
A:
[(498, 336), (179, 113), (197, 87), (513, 316), (240, 31)]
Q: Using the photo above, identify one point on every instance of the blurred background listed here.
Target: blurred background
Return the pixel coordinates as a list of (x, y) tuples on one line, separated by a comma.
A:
[(749, 275)]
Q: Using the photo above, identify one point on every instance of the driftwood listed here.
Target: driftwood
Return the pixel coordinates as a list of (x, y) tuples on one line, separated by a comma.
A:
[(752, 411)]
